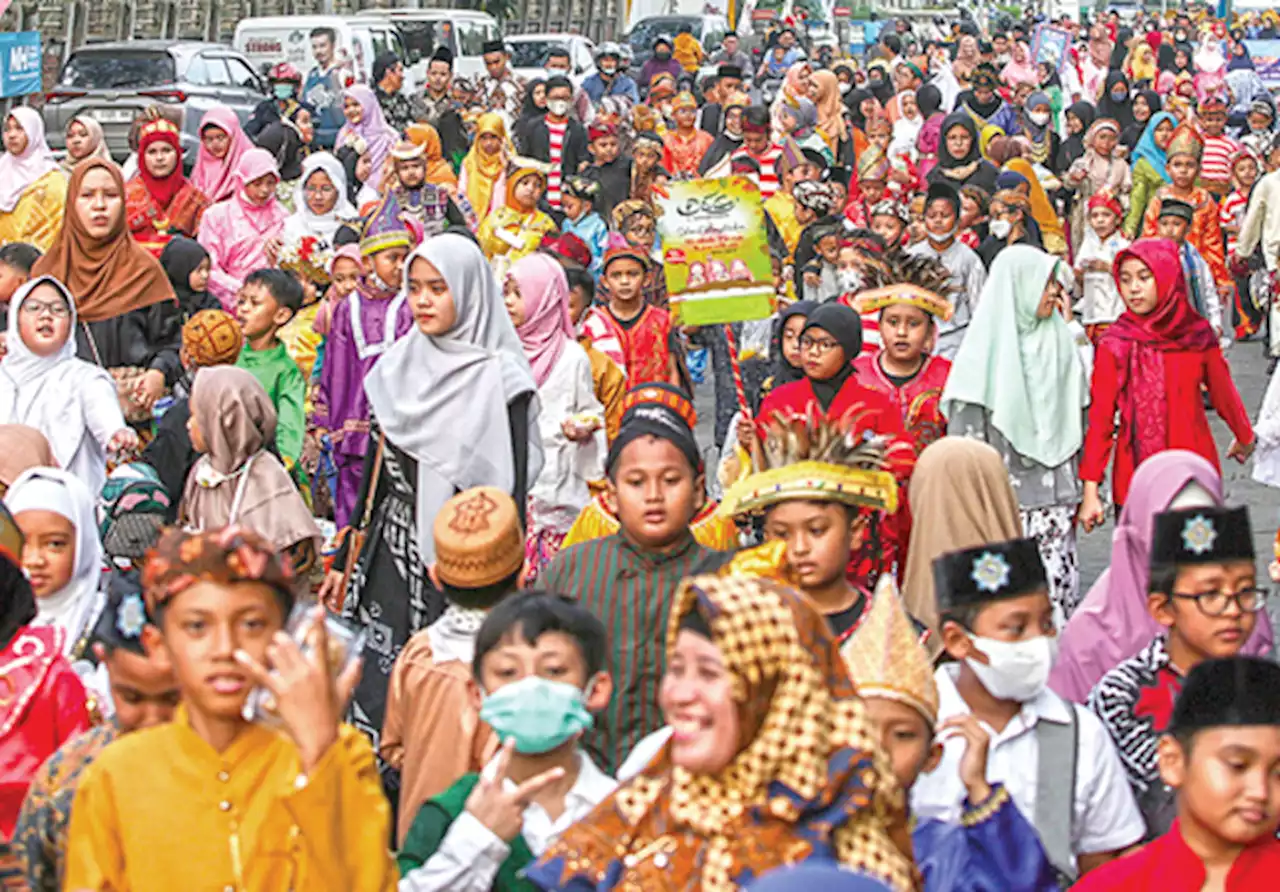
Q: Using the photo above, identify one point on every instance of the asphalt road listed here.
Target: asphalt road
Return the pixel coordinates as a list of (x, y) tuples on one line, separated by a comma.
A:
[(1249, 367)]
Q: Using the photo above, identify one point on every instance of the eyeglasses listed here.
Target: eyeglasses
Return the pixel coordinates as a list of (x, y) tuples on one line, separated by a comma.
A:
[(818, 345), (35, 308), (1249, 600), (320, 190)]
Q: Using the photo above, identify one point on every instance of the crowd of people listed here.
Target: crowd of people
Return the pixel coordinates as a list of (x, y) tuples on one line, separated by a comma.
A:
[(358, 531)]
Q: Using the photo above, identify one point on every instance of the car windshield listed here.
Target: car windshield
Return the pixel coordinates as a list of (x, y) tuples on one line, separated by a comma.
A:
[(115, 70), (532, 53), (472, 36), (422, 38), (644, 33)]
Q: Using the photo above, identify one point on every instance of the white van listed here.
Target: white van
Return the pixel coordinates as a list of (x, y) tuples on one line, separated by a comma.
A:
[(361, 39), (464, 31)]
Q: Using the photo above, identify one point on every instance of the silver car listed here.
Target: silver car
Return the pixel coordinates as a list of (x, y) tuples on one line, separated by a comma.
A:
[(113, 82)]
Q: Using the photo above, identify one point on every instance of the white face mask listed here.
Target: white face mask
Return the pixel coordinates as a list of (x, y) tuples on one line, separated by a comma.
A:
[(558, 107), (939, 239), (1039, 118), (849, 279), (1000, 228), (845, 87), (1018, 670)]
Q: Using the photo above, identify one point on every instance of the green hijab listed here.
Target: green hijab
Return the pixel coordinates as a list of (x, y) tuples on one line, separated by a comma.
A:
[(1024, 370)]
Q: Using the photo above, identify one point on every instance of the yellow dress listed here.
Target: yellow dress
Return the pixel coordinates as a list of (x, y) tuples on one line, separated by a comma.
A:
[(161, 810), (521, 233), (37, 217), (710, 528)]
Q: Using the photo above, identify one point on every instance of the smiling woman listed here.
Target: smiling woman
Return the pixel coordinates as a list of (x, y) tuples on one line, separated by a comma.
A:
[(33, 190)]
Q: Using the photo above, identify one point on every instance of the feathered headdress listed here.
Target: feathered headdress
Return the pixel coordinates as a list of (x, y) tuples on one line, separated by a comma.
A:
[(897, 277)]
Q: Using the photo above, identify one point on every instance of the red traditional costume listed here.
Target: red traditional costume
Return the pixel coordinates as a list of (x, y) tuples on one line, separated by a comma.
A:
[(1206, 226), (1169, 865), (158, 209), (640, 348), (1151, 369), (43, 705)]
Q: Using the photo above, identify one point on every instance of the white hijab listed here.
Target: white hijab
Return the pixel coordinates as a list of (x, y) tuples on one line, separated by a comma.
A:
[(19, 172), (437, 396), (46, 392), (303, 222), (74, 607)]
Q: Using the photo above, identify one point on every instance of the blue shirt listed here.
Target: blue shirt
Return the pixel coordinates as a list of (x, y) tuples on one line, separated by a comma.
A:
[(622, 85)]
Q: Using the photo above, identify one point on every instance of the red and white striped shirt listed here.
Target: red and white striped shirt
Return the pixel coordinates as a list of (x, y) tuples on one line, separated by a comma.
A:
[(1215, 163), (768, 179), (556, 133), (1231, 213)]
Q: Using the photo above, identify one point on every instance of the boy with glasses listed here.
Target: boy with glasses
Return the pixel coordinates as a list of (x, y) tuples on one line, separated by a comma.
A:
[(1203, 590)]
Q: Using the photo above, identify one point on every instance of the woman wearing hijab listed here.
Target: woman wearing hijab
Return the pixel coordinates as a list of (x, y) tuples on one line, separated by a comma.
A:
[(960, 161), (284, 141), (928, 142), (33, 189), (1018, 383), (187, 265), (453, 405), (484, 169), (960, 497), (787, 727), (1149, 173), (368, 126), (1151, 368), (1037, 126), (826, 99), (570, 418), (879, 82), (320, 202), (533, 109), (799, 121), (48, 502), (1112, 623), (22, 448), (159, 202), (729, 140), (1046, 216), (1020, 69), (129, 319), (1116, 102), (222, 145), (238, 478), (906, 129), (1079, 118), (797, 84), (242, 234), (787, 365), (1145, 104), (84, 139), (43, 385)]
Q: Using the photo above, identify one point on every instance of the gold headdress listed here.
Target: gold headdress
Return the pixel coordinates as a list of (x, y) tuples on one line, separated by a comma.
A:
[(885, 656), (1185, 141), (812, 458), (901, 278)]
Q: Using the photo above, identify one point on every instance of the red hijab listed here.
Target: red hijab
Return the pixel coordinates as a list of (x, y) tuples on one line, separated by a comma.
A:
[(163, 190), (1139, 342)]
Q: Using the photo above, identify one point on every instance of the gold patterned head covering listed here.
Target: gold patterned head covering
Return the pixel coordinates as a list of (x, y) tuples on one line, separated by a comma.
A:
[(684, 99), (886, 657), (212, 337), (478, 538), (873, 164), (810, 782), (1185, 141)]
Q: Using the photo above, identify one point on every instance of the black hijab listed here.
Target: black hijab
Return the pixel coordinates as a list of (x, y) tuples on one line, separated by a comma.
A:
[(845, 326), (882, 89), (1120, 112), (1073, 146), (17, 601), (1120, 51), (1130, 135), (972, 169), (180, 259), (1164, 58), (984, 109), (529, 109), (929, 100), (783, 371), (854, 103), (350, 161), (285, 145)]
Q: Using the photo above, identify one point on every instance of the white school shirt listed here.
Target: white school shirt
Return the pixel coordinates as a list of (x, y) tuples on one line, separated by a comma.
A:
[(968, 275), (1266, 459), (471, 854), (1106, 815), (561, 490)]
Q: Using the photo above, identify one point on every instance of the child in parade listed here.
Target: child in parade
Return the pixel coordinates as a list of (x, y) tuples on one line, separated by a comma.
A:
[(608, 169), (242, 232), (266, 302), (889, 219), (638, 337), (1173, 352), (570, 418), (540, 666), (655, 488), (517, 228), (1246, 167), (1203, 592), (1174, 224), (1100, 304), (607, 380), (1221, 755), (16, 260), (302, 807), (993, 845), (941, 218), (578, 199), (433, 734), (997, 624), (374, 315)]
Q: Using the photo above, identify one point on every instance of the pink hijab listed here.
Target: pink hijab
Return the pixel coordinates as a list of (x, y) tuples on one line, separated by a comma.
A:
[(547, 327), (216, 179), (17, 173), (379, 136), (1112, 623), (1020, 72), (264, 219)]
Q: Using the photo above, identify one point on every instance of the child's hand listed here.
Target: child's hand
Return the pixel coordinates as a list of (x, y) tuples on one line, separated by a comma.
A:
[(271, 250), (746, 431), (123, 440), (150, 387), (1241, 452), (500, 809), (331, 594), (1091, 514), (309, 701), (973, 764)]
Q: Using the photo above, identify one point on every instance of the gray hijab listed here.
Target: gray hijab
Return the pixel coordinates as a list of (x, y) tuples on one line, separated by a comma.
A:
[(443, 398)]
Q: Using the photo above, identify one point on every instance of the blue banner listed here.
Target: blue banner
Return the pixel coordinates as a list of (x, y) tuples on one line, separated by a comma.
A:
[(20, 64), (1266, 59)]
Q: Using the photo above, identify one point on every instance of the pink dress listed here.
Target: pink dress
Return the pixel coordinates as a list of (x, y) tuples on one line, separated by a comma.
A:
[(235, 232)]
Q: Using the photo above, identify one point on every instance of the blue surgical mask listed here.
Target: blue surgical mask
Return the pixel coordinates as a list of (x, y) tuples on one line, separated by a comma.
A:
[(1119, 95), (538, 713), (283, 91)]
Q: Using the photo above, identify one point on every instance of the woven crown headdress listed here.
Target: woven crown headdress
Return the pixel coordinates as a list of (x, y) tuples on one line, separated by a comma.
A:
[(897, 277)]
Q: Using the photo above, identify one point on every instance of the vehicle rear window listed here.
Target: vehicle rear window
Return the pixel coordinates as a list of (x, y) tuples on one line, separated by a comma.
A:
[(532, 53), (115, 70), (648, 30)]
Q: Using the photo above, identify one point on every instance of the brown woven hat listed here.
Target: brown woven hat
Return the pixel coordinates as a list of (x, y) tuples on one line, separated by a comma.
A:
[(212, 337), (478, 538)]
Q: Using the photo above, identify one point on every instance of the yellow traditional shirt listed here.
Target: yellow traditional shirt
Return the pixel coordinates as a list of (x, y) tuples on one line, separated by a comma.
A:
[(781, 207), (161, 810), (37, 216), (511, 234)]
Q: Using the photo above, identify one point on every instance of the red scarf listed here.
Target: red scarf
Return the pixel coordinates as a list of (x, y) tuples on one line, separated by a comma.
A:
[(1139, 342), (162, 191)]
